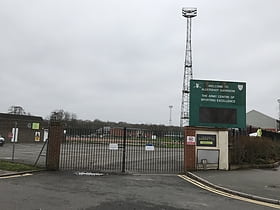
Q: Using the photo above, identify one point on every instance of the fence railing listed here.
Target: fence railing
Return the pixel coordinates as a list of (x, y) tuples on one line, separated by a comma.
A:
[(122, 149)]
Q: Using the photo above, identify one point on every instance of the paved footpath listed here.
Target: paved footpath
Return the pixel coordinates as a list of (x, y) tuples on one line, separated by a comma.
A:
[(259, 182)]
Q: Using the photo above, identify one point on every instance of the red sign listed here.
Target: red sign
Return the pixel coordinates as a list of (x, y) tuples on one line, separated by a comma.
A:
[(190, 140), (10, 135)]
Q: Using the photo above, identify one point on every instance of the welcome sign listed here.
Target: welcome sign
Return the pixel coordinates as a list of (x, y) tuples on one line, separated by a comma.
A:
[(217, 104)]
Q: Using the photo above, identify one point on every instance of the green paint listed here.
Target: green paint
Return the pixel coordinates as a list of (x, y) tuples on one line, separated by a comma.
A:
[(205, 142), (35, 126), (217, 104)]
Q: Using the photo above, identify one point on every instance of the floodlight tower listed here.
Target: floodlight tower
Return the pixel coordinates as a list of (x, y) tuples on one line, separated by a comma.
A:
[(188, 13)]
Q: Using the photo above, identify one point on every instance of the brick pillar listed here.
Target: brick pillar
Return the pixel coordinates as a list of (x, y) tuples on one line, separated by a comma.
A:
[(54, 142), (189, 150)]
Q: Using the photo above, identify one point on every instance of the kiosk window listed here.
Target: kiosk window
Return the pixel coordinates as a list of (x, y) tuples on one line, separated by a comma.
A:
[(206, 140)]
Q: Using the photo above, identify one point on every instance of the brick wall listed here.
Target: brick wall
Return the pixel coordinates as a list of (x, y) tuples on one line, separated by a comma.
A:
[(189, 150)]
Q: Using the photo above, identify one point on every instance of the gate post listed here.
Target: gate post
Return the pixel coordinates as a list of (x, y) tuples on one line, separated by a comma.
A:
[(54, 143), (189, 149), (124, 145)]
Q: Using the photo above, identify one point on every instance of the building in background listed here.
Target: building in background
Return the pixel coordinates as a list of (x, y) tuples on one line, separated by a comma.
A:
[(257, 119), (22, 128)]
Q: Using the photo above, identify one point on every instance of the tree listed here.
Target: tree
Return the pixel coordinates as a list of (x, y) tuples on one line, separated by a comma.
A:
[(17, 110), (63, 115)]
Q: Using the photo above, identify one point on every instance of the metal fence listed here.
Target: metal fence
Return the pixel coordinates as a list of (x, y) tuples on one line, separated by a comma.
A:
[(27, 153), (235, 146), (244, 149), (122, 150)]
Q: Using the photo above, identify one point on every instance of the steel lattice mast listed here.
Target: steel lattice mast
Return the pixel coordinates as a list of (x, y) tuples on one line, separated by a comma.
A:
[(188, 13)]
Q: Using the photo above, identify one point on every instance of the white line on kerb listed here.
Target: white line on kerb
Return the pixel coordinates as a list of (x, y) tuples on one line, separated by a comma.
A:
[(205, 187), (15, 176)]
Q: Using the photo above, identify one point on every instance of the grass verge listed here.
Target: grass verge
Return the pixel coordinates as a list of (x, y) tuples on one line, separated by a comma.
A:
[(11, 166)]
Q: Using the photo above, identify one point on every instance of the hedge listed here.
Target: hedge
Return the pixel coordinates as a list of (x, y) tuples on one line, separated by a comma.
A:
[(254, 150)]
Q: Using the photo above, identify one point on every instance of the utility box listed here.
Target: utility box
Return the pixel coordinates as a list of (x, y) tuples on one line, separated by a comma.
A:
[(206, 148)]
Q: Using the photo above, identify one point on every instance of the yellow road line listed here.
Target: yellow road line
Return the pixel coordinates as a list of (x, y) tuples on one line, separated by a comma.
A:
[(15, 176), (219, 192)]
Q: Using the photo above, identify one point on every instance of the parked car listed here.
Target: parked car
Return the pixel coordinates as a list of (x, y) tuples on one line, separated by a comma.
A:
[(2, 141)]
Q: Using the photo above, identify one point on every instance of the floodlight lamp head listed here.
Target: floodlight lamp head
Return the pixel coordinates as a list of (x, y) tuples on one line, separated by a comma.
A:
[(189, 12)]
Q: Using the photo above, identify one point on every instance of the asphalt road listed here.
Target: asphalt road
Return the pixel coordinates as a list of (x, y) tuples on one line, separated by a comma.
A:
[(57, 190)]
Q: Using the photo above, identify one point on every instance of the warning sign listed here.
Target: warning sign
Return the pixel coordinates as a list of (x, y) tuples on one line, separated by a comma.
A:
[(190, 140), (37, 136)]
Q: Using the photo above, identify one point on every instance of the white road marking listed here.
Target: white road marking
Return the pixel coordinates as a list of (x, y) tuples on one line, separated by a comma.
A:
[(15, 176), (205, 187)]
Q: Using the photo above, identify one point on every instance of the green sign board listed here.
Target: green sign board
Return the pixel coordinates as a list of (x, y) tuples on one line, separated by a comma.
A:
[(217, 104), (35, 126)]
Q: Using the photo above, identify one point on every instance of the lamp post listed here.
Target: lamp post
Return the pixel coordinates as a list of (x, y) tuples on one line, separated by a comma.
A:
[(278, 123), (170, 114), (279, 109)]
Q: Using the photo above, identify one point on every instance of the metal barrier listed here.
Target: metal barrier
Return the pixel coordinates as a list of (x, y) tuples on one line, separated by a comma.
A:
[(122, 150)]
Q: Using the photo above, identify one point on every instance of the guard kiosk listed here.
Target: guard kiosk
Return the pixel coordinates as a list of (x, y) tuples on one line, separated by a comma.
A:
[(206, 148)]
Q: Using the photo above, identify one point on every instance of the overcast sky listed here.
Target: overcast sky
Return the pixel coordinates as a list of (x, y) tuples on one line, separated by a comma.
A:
[(123, 60)]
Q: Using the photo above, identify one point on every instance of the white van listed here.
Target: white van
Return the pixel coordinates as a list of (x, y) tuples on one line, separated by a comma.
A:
[(2, 141)]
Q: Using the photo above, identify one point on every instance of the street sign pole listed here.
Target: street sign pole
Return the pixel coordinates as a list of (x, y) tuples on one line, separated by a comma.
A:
[(14, 141)]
